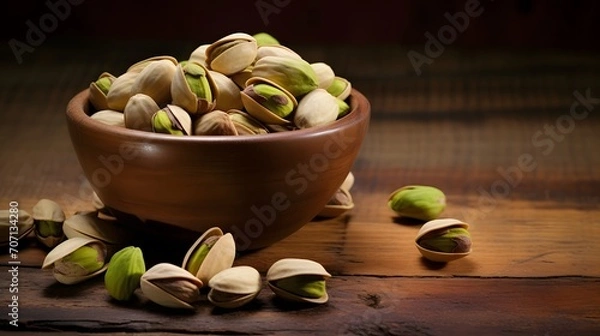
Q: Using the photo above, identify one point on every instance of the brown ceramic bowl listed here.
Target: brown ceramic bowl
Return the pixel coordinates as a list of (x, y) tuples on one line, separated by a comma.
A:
[(259, 188)]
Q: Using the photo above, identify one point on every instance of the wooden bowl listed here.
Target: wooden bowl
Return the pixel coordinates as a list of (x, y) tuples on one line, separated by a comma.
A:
[(260, 188)]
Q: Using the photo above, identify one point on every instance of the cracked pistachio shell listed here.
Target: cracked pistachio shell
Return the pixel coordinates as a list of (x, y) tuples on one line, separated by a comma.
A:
[(139, 111), (124, 271), (202, 98), (215, 122), (264, 39), (48, 210), (89, 225), (24, 225), (340, 88), (317, 108), (227, 93), (294, 75), (339, 203), (219, 256), (234, 287), (170, 286), (325, 74), (155, 81), (120, 91), (99, 90), (276, 50), (172, 120), (437, 226), (418, 201), (348, 181), (68, 273), (258, 110), (245, 124), (110, 117), (292, 267), (240, 78), (232, 53), (139, 66), (48, 221), (199, 55)]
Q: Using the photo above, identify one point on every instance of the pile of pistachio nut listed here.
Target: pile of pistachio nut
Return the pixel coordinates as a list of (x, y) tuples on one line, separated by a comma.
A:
[(240, 84), (439, 239), (88, 244)]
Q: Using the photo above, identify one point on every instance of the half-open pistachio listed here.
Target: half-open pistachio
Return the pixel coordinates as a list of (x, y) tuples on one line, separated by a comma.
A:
[(192, 88), (234, 287), (172, 120), (210, 254), (232, 53), (170, 286), (444, 240), (99, 91), (48, 219), (76, 260), (301, 280)]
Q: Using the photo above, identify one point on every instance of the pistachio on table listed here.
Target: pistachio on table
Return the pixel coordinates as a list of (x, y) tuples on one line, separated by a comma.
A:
[(170, 286), (123, 274), (76, 260), (24, 225), (234, 287), (418, 201), (48, 219), (300, 280), (210, 254), (444, 240)]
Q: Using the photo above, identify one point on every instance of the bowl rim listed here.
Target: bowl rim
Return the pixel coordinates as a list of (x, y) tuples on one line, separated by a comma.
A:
[(79, 107)]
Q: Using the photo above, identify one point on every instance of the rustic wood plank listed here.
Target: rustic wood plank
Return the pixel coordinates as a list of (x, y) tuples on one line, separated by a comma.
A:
[(358, 306)]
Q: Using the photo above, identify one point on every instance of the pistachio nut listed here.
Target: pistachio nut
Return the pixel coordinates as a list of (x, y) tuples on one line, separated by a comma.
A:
[(301, 280), (48, 219), (120, 91), (267, 101), (348, 182), (199, 55), (264, 39), (325, 74), (170, 286), (240, 78), (276, 50), (76, 260), (234, 287), (344, 108), (192, 88), (99, 91), (141, 65), (338, 204), (317, 108), (210, 254), (444, 240), (215, 122), (340, 88), (245, 124), (155, 81), (418, 201), (89, 225), (139, 111), (294, 75), (14, 224), (110, 117), (232, 53), (172, 120), (227, 93), (123, 275)]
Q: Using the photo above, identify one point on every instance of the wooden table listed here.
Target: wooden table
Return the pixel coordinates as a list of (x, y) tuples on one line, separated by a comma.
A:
[(493, 129)]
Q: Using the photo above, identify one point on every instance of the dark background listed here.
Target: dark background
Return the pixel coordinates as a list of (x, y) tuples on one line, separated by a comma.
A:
[(503, 24)]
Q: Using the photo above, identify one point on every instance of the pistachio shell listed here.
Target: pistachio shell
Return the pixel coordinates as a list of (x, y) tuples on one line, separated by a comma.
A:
[(227, 93), (340, 88), (139, 111), (167, 272), (199, 54), (333, 208), (234, 287), (264, 39), (48, 210), (232, 53), (325, 74), (110, 117), (294, 75), (98, 97), (179, 121), (216, 122), (24, 225), (289, 267), (317, 108), (276, 50), (260, 112), (155, 81), (245, 124), (240, 78), (89, 225), (348, 182), (139, 66), (120, 91), (219, 257), (183, 95), (67, 247), (435, 225)]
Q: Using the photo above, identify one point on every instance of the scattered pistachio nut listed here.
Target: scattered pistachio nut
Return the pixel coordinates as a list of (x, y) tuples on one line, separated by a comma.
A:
[(339, 203), (48, 219), (418, 201), (300, 280), (170, 286), (210, 254), (21, 220), (123, 275), (76, 260), (234, 287), (444, 240)]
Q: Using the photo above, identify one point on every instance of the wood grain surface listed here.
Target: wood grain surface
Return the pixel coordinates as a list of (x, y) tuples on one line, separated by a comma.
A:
[(476, 123)]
